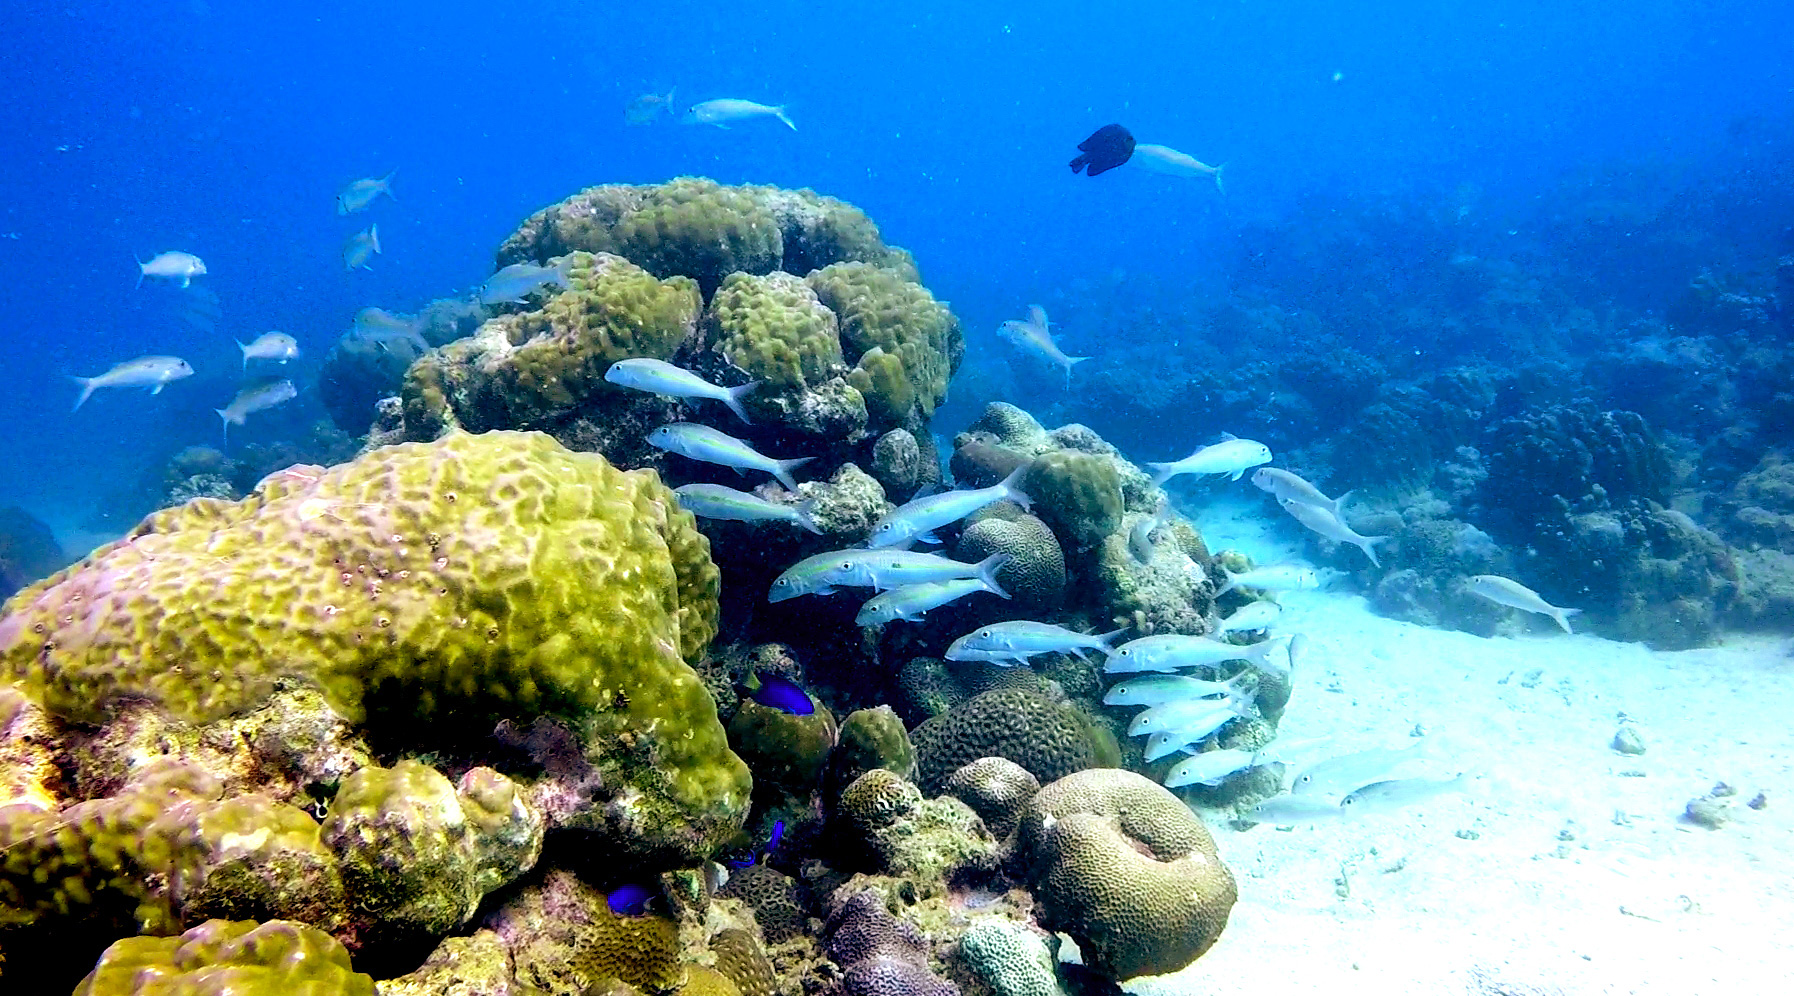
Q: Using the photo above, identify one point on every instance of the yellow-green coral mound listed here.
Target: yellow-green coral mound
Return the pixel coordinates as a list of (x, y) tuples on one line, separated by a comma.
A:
[(775, 329), (530, 368), (905, 345), (424, 588), (228, 958), (701, 229)]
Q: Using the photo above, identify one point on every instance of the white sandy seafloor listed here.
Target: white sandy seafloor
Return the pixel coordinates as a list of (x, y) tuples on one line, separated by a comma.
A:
[(1568, 867)]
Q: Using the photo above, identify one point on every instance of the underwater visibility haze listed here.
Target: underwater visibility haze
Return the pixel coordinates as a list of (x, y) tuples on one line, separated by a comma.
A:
[(897, 500)]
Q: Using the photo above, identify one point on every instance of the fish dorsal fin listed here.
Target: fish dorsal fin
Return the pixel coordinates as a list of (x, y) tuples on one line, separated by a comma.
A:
[(1227, 437), (1037, 317)]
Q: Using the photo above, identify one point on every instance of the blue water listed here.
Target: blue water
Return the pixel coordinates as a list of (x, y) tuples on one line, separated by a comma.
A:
[(225, 129)]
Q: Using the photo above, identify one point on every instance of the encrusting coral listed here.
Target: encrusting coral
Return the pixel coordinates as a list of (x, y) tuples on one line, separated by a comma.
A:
[(228, 958)]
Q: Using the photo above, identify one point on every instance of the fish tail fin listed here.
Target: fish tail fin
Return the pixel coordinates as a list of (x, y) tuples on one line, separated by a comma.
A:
[(1563, 618), (374, 237), (1012, 487), (386, 182), (87, 386), (783, 468), (1220, 188), (245, 350), (1370, 549), (1110, 636), (1232, 582), (1339, 503), (734, 396), (225, 416), (140, 272), (987, 573), (779, 112), (805, 516), (1161, 472)]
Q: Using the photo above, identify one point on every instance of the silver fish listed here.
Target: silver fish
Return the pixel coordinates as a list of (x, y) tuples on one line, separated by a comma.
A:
[(1324, 523), (276, 346), (1231, 456), (1400, 793), (1015, 642), (1168, 652), (1179, 714), (1166, 161), (909, 602), (645, 108), (1513, 594), (1139, 538), (361, 247), (511, 283), (917, 520), (1158, 689), (1251, 617), (258, 395), (1194, 730), (153, 372), (883, 569), (714, 501), (1289, 810), (1282, 484), (1273, 578), (728, 110), (701, 442), (661, 377), (1210, 768), (359, 195), (176, 267), (1034, 336), (1341, 775)]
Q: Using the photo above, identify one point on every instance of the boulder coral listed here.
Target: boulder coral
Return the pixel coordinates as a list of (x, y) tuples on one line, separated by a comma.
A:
[(1046, 738), (228, 958)]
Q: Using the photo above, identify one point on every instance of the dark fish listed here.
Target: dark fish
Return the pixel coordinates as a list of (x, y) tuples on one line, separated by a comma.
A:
[(747, 859), (1106, 148), (778, 693), (630, 900)]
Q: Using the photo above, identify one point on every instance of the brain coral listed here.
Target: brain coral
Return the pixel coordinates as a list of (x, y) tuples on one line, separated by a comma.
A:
[(470, 580), (1078, 494), (1044, 737), (773, 328), (563, 938), (1035, 573), (228, 958), (531, 368), (1127, 870)]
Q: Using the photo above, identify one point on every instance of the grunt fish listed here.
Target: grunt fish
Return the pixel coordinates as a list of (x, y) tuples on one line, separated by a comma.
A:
[(276, 346), (1033, 336), (701, 442), (1281, 484), (1326, 524), (715, 501), (661, 377), (1230, 456), (917, 520), (172, 266), (361, 247), (153, 372), (1015, 642), (1513, 594), (909, 602), (359, 195)]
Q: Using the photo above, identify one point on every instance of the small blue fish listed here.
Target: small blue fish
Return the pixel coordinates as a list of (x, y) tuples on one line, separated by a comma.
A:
[(779, 693), (747, 859), (630, 900)]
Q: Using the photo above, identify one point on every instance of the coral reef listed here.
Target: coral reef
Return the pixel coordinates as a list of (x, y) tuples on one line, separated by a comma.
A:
[(563, 937), (228, 958), (870, 738), (1046, 738), (1011, 959), (879, 954), (1035, 574), (997, 789), (476, 965)]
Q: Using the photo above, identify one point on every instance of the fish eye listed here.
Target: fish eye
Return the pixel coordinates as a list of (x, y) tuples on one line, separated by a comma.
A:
[(846, 565), (987, 634), (1124, 653)]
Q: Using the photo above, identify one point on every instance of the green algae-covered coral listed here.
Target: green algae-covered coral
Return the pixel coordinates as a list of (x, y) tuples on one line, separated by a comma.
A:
[(533, 367), (905, 345), (1078, 494), (563, 938), (228, 958), (701, 229), (775, 329), (421, 588)]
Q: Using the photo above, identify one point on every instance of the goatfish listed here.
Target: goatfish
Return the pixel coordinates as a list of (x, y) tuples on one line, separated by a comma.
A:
[(1342, 775), (1169, 652), (1166, 161), (917, 520), (1231, 456), (1205, 715), (1514, 595), (701, 442), (172, 266), (1324, 523), (728, 110), (715, 501), (1250, 617), (511, 283), (909, 602), (663, 378), (1033, 335), (276, 346), (361, 247), (1283, 485), (1158, 689), (1194, 731), (1211, 768), (258, 395), (1289, 810), (359, 195), (153, 372), (822, 573), (1008, 643), (1274, 578), (1400, 793)]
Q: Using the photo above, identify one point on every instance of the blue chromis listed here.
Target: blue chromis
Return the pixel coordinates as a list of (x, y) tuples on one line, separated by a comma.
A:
[(777, 692), (716, 501), (630, 900), (917, 520), (701, 442), (660, 377)]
